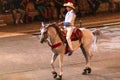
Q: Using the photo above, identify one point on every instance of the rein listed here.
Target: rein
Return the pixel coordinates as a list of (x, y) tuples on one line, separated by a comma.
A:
[(56, 44)]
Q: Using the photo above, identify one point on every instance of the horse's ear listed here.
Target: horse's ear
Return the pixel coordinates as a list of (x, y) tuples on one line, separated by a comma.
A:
[(42, 24)]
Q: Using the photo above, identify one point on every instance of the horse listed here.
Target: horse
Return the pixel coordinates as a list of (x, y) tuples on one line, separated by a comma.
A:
[(51, 34)]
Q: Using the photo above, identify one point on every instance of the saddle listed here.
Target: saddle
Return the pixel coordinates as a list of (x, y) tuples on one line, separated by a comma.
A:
[(76, 35)]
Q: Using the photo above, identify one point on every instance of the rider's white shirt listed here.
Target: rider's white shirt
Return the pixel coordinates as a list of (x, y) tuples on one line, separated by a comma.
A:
[(70, 17)]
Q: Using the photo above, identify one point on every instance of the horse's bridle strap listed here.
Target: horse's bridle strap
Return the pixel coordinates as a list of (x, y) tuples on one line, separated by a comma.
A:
[(55, 45)]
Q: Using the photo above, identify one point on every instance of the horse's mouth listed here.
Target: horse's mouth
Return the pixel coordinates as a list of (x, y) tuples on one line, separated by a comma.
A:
[(41, 41)]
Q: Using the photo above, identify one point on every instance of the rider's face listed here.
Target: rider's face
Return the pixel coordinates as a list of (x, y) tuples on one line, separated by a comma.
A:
[(68, 8)]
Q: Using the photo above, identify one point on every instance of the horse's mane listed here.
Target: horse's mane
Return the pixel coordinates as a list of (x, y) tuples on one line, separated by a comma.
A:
[(58, 30)]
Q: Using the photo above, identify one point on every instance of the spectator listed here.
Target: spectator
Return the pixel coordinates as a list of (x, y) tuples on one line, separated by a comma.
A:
[(29, 7), (19, 7), (78, 4), (111, 4), (94, 5), (51, 9), (5, 6), (40, 6), (0, 6), (11, 4), (59, 6)]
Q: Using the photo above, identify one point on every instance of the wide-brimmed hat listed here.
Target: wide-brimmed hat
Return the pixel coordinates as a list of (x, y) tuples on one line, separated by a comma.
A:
[(69, 4)]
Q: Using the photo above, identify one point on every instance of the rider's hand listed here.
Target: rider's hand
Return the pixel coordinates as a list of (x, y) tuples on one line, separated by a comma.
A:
[(60, 23)]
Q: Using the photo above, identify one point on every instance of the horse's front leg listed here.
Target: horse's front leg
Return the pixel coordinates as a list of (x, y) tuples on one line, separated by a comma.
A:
[(60, 65), (54, 56)]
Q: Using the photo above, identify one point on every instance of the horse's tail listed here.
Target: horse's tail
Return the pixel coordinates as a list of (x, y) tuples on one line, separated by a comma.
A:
[(97, 33)]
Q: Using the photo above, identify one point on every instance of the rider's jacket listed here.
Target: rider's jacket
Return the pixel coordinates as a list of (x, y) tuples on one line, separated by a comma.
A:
[(69, 18)]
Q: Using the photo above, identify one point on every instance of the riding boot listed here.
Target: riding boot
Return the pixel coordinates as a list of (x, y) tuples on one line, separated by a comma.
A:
[(70, 52)]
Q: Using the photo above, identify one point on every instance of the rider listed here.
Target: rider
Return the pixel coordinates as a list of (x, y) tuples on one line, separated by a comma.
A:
[(69, 23)]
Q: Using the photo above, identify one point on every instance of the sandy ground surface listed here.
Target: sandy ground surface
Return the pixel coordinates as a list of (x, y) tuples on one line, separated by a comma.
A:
[(22, 57)]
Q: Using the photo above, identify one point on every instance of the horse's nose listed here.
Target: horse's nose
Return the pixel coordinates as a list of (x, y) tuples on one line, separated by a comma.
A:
[(41, 40)]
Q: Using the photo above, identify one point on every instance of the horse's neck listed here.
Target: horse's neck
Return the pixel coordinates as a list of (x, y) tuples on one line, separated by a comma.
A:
[(53, 36)]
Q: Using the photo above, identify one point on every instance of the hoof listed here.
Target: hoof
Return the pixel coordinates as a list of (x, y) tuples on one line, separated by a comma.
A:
[(54, 74), (84, 72), (87, 71), (59, 77)]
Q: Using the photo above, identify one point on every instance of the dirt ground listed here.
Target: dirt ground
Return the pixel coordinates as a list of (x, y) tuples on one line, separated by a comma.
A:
[(22, 57)]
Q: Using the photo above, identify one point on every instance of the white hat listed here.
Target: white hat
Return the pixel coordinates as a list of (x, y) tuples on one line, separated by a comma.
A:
[(69, 4)]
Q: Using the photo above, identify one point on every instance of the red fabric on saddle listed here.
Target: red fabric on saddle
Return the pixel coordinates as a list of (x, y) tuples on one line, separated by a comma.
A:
[(76, 35)]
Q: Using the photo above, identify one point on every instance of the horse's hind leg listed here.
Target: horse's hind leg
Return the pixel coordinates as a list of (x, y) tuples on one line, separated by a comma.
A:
[(87, 54), (84, 53), (54, 56)]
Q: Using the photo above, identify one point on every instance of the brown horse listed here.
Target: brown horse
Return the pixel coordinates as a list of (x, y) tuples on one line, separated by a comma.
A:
[(52, 34)]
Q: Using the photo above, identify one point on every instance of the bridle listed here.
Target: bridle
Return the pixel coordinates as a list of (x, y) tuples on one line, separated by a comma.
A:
[(47, 38)]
